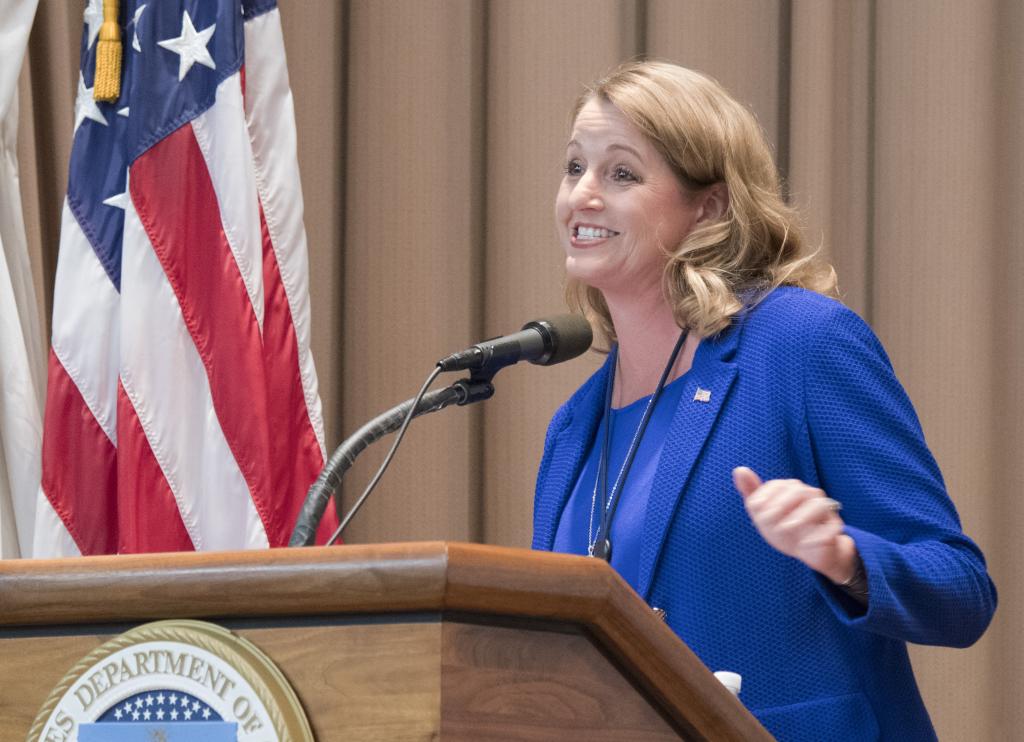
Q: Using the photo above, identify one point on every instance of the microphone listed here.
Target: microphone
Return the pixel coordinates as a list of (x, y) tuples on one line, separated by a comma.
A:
[(543, 342)]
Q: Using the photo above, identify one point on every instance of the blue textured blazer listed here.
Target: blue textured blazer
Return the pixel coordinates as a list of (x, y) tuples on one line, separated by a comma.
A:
[(800, 388)]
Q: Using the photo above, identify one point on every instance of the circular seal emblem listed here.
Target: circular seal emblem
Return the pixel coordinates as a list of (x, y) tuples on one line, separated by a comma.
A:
[(170, 681)]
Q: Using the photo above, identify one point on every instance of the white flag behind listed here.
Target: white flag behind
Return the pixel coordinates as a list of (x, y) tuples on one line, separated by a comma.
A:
[(22, 360)]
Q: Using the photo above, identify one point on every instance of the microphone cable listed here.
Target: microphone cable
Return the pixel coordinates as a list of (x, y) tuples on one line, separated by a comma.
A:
[(387, 459)]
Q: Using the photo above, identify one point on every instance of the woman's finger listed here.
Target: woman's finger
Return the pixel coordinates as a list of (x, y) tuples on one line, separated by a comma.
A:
[(745, 480), (812, 511), (819, 536)]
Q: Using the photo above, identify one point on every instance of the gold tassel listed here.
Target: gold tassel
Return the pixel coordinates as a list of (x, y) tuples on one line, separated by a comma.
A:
[(107, 83)]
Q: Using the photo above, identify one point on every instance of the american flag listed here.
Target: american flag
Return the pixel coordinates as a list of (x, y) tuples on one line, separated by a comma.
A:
[(182, 409)]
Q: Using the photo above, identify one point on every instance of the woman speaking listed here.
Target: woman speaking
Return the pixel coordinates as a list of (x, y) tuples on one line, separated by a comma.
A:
[(745, 458)]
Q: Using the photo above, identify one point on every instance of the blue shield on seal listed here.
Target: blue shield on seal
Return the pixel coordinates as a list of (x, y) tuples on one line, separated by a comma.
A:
[(175, 731)]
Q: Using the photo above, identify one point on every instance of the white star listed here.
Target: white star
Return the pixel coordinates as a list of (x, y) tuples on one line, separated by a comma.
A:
[(138, 703), (85, 106), (160, 697), (135, 715), (160, 714), (146, 714), (174, 698), (135, 27), (118, 714), (94, 19), (174, 714), (190, 46), (188, 715), (149, 698), (184, 702), (127, 706), (195, 706), (123, 201), (206, 712)]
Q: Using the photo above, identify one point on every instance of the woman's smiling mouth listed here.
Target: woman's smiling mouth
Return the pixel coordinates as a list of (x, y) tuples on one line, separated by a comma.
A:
[(585, 234)]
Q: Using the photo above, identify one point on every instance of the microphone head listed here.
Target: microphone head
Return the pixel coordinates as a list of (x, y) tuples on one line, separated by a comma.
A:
[(565, 337)]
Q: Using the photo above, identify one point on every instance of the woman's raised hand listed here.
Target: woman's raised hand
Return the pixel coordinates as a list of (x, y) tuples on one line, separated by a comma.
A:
[(800, 521)]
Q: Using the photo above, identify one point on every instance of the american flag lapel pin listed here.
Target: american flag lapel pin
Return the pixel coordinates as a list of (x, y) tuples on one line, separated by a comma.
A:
[(702, 395)]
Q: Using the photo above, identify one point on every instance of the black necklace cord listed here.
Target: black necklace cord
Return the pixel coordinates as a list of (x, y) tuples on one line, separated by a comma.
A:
[(602, 545), (602, 466)]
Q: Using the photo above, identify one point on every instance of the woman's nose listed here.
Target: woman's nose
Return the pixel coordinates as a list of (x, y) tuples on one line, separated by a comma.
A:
[(587, 193)]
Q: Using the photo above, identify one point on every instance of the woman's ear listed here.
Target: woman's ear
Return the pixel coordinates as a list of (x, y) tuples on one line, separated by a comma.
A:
[(714, 202)]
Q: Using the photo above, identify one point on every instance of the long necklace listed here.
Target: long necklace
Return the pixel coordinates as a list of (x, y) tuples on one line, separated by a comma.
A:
[(601, 545)]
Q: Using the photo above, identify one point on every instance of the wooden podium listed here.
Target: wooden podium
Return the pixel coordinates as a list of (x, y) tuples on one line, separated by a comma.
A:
[(420, 641)]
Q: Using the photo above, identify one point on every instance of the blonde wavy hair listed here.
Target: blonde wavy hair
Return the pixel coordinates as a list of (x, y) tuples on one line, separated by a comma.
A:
[(708, 137)]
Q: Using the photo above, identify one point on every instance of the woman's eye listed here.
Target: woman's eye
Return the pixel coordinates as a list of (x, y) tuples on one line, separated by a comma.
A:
[(624, 174), (574, 168)]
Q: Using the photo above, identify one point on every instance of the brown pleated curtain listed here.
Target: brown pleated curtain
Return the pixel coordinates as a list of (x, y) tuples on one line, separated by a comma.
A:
[(430, 139)]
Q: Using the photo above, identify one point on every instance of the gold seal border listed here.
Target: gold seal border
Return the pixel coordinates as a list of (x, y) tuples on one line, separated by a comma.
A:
[(266, 680)]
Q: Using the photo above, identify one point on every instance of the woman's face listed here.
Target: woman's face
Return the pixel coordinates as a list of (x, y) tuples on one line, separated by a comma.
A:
[(619, 206)]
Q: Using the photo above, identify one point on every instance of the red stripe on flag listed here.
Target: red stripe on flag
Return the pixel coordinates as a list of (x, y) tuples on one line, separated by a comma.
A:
[(79, 465), (147, 513), (177, 205), (294, 449)]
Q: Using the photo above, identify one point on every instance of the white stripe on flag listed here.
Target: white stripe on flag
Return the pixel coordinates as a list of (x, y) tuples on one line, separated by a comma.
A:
[(51, 535), (271, 116), (85, 323), (220, 133)]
